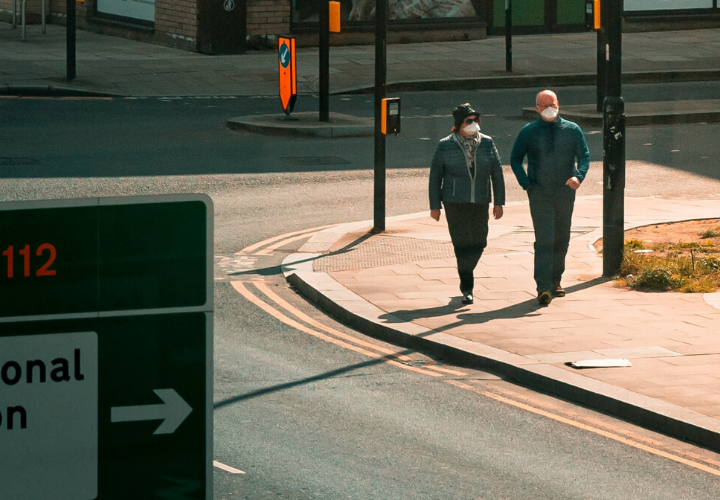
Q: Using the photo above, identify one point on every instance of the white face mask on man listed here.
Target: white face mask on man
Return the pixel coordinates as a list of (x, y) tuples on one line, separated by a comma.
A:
[(471, 129), (549, 113)]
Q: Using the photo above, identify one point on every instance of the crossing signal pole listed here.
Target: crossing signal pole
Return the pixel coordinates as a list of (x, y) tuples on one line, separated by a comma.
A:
[(613, 140), (324, 44), (70, 44), (508, 36), (381, 17)]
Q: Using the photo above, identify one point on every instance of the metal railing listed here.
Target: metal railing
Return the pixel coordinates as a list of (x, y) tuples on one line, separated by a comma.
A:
[(22, 15)]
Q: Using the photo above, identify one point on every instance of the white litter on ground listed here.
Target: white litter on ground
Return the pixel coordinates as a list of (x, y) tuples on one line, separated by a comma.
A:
[(600, 363)]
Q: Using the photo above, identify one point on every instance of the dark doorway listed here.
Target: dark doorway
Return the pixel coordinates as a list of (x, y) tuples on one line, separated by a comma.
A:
[(222, 26)]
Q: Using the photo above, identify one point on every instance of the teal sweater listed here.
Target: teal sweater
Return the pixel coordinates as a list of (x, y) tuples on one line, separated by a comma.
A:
[(552, 149)]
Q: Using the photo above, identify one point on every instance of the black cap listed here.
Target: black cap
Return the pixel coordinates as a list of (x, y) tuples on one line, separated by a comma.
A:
[(463, 111)]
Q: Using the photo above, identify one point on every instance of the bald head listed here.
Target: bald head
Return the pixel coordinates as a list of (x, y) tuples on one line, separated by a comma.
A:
[(546, 99)]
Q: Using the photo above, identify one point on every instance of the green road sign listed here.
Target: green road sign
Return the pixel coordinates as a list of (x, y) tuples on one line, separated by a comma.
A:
[(106, 348)]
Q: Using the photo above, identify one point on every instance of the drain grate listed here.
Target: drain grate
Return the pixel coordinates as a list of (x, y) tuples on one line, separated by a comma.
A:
[(315, 160), (7, 161)]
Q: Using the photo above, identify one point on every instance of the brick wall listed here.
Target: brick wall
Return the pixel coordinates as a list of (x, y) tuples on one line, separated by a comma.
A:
[(176, 21), (58, 8), (177, 18), (268, 17)]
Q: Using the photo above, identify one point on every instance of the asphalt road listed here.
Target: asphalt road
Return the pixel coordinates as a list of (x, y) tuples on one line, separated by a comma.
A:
[(188, 136), (307, 417)]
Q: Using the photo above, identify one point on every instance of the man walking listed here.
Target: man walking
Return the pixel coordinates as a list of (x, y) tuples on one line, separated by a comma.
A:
[(558, 160)]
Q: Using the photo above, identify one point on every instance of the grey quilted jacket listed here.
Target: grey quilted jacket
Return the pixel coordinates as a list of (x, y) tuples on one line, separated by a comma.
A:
[(450, 179)]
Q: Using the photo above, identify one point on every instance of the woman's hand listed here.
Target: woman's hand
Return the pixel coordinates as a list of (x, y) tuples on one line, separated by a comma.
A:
[(435, 214), (497, 211)]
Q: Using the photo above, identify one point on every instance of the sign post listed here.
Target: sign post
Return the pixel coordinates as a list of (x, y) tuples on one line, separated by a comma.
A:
[(106, 348), (288, 73)]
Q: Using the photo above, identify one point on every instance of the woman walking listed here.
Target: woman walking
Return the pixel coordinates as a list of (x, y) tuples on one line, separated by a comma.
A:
[(465, 166)]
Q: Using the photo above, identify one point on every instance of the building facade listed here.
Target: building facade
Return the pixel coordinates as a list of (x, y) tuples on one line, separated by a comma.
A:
[(233, 26)]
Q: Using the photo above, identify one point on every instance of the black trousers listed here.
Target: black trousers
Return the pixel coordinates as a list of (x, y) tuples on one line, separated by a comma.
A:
[(551, 209), (468, 225)]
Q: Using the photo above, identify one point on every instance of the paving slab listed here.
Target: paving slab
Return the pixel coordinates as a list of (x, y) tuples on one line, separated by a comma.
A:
[(305, 124), (104, 63), (673, 385)]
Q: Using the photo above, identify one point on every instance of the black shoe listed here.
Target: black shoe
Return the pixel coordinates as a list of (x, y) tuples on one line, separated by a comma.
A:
[(544, 297), (558, 290), (467, 298)]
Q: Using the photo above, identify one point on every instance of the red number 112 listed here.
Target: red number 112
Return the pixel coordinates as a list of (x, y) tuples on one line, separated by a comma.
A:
[(25, 253)]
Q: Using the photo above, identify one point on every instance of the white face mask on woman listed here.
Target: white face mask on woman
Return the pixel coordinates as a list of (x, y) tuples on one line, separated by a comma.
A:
[(549, 113), (471, 129)]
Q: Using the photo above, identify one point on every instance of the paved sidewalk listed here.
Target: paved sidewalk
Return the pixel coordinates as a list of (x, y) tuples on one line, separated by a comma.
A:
[(402, 285), (129, 68)]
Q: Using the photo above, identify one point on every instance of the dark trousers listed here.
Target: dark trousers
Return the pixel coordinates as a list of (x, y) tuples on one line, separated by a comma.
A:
[(468, 225), (551, 209)]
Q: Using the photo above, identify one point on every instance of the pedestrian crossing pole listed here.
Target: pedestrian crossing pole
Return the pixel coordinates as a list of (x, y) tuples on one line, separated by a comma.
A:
[(508, 36), (381, 15), (324, 43), (70, 40), (601, 63), (613, 141)]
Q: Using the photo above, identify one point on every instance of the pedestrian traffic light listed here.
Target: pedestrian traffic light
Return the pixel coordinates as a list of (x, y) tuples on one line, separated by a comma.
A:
[(390, 116), (596, 7), (334, 16), (592, 14)]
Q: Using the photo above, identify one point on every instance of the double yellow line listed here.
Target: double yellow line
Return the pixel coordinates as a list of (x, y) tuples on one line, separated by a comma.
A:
[(330, 334), (306, 324)]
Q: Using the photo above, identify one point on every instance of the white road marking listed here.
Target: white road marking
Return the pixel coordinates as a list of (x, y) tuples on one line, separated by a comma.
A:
[(227, 468)]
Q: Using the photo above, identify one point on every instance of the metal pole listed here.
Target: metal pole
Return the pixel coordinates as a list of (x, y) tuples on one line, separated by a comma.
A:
[(70, 41), (613, 52), (613, 144), (43, 16), (381, 15), (601, 69), (324, 45), (508, 36), (14, 23), (23, 19)]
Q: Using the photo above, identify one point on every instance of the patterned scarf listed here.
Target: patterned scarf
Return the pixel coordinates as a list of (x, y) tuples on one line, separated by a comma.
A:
[(469, 145)]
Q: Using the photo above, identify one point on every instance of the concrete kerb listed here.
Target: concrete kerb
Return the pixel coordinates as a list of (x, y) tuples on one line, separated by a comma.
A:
[(586, 116), (530, 81), (51, 91), (360, 314), (305, 124)]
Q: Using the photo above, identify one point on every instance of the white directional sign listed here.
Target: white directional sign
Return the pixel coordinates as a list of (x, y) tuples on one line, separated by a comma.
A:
[(106, 349), (49, 416)]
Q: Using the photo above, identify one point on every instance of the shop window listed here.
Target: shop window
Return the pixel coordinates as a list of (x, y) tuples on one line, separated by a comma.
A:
[(362, 12), (141, 11), (645, 5)]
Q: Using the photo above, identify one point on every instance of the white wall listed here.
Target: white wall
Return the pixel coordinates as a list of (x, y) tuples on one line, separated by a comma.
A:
[(632, 5)]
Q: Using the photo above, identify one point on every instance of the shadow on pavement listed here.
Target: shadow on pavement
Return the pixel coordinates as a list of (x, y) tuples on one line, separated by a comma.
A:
[(522, 309)]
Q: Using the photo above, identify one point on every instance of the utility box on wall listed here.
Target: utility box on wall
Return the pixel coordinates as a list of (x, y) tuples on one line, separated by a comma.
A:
[(222, 26)]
